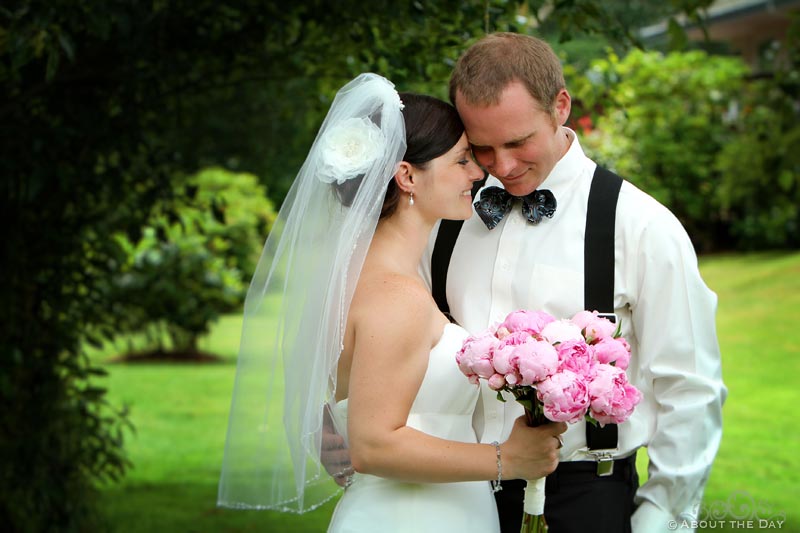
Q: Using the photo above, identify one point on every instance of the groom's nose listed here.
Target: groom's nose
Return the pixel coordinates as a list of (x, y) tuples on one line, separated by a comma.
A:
[(503, 164)]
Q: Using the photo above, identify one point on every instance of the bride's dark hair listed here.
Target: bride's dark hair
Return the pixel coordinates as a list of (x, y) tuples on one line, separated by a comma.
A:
[(433, 127)]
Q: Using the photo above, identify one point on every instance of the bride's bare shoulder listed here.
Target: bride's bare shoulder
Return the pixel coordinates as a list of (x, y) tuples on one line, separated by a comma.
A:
[(387, 297)]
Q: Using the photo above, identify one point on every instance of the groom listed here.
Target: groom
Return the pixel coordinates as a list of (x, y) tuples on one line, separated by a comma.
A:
[(510, 92)]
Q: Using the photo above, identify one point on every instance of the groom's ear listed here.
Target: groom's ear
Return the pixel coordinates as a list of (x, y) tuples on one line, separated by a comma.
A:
[(562, 107), (405, 176)]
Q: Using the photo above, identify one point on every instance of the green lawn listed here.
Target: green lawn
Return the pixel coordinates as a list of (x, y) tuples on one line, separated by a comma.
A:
[(180, 413)]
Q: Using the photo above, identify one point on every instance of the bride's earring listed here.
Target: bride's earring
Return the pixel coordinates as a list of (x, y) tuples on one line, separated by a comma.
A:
[(411, 198)]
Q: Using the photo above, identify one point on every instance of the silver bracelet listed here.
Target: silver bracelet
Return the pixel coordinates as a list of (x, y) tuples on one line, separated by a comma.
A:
[(496, 486)]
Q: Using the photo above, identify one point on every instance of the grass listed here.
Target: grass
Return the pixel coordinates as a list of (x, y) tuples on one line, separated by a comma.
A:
[(758, 465), (180, 413)]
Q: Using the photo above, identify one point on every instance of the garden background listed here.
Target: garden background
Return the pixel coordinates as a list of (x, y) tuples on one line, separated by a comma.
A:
[(146, 147)]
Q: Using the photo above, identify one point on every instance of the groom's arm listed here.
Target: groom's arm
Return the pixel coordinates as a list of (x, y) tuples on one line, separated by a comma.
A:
[(334, 455), (674, 319)]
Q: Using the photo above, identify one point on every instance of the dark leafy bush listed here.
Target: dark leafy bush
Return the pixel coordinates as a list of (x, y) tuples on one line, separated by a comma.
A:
[(194, 259), (759, 189)]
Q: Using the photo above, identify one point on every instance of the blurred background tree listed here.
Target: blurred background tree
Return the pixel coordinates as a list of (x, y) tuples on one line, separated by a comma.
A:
[(661, 123), (708, 135), (192, 262), (759, 169), (107, 110)]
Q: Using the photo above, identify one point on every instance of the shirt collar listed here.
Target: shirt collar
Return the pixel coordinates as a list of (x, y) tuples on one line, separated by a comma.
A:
[(567, 169)]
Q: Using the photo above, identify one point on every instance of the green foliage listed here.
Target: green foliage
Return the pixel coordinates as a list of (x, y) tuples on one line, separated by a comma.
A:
[(660, 122), (74, 169), (192, 263), (759, 188), (696, 131)]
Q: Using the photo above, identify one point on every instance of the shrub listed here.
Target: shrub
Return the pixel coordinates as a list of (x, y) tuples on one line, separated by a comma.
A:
[(661, 125), (193, 259), (759, 190)]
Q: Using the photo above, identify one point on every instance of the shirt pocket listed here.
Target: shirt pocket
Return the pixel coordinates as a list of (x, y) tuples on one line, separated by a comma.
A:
[(558, 291)]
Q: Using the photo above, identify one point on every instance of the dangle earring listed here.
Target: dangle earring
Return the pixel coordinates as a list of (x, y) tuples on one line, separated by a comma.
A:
[(411, 198)]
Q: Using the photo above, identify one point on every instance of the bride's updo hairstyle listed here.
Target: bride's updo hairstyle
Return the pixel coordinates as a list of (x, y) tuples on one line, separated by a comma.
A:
[(433, 127)]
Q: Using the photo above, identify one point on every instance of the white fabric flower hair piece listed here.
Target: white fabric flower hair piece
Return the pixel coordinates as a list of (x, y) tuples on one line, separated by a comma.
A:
[(349, 149)]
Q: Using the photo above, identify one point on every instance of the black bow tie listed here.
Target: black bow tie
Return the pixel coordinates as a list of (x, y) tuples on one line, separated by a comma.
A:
[(496, 202)]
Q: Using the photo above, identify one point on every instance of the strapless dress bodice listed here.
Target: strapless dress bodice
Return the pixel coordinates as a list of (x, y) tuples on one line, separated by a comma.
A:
[(443, 407)]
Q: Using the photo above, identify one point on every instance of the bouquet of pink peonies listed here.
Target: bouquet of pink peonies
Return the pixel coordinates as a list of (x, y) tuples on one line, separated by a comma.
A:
[(559, 370)]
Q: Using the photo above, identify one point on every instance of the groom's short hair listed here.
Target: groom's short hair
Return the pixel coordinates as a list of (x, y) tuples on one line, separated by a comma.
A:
[(490, 64)]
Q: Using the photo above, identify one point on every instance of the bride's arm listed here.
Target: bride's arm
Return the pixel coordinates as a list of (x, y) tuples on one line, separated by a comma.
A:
[(390, 358)]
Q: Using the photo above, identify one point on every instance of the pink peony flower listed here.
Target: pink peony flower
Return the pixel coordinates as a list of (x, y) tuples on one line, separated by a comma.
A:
[(561, 331), (537, 360), (610, 350), (577, 356), (505, 362), (516, 338), (565, 396), (584, 318), (624, 342), (506, 356), (502, 332), (475, 356), (528, 321), (599, 329), (496, 382), (612, 397)]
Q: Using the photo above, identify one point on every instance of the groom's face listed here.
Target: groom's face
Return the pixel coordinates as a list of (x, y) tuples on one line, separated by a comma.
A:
[(516, 140)]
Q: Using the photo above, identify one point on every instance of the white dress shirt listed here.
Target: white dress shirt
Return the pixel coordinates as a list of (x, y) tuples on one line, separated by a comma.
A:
[(667, 314)]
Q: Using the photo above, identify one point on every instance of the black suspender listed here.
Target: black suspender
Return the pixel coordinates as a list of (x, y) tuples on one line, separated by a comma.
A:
[(598, 268), (598, 249), (440, 261), (598, 273)]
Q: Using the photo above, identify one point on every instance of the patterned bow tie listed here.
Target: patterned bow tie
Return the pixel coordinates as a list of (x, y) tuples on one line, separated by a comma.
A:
[(495, 203)]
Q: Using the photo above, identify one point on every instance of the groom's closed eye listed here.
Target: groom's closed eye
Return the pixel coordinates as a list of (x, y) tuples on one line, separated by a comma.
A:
[(479, 149)]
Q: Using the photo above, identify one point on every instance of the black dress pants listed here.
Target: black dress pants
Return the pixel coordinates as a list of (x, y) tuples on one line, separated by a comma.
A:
[(577, 500)]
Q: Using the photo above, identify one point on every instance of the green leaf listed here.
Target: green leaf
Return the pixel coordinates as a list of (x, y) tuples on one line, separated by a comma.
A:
[(66, 45)]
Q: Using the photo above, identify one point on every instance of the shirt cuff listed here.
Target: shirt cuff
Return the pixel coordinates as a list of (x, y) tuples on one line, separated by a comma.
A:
[(650, 518)]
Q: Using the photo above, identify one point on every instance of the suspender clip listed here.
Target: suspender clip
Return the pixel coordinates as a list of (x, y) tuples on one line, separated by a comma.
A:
[(605, 461)]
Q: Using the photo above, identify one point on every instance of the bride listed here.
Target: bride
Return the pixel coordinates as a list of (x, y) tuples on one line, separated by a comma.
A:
[(339, 325)]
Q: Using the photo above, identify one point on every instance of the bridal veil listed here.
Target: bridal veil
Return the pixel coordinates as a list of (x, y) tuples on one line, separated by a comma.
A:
[(297, 304)]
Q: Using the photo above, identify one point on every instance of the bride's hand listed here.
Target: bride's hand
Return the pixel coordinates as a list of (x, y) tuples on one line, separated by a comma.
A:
[(531, 452)]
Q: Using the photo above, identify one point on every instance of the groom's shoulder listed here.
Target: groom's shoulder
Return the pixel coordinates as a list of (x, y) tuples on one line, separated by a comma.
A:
[(641, 215), (636, 203)]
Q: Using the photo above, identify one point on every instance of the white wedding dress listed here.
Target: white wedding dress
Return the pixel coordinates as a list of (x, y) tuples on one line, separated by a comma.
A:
[(443, 408)]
